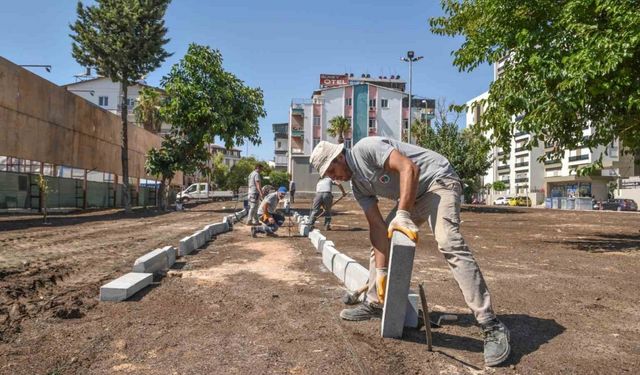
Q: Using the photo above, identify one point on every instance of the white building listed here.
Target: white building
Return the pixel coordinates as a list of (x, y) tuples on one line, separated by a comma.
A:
[(231, 156), (523, 173), (105, 93), (373, 106)]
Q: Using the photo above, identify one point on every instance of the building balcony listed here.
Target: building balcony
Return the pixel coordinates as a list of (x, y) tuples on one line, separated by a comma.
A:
[(521, 179), (578, 158), (520, 134), (297, 111), (372, 131), (521, 149), (502, 167), (553, 161), (297, 133), (523, 164)]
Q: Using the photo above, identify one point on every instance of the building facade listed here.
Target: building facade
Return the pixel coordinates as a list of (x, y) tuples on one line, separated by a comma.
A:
[(281, 145), (524, 174), (372, 106), (106, 94)]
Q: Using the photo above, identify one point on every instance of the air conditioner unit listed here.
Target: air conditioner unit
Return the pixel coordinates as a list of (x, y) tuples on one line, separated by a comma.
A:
[(372, 108)]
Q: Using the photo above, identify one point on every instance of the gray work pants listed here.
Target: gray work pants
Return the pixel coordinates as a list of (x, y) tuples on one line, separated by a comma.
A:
[(440, 208), (252, 217), (322, 200)]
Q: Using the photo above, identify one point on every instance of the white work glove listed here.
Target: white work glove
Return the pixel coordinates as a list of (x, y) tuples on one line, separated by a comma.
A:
[(403, 223)]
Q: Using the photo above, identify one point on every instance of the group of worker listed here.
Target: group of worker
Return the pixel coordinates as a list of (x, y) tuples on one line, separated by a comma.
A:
[(425, 188)]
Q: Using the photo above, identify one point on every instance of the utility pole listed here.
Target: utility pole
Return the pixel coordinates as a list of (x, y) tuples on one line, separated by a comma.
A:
[(410, 59)]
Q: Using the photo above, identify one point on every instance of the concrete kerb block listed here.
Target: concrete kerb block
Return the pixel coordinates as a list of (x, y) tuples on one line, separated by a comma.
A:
[(219, 228), (355, 276), (317, 239), (208, 232), (186, 246), (125, 286), (151, 262), (229, 222), (325, 243), (304, 230), (411, 316), (402, 252), (340, 264), (328, 253), (171, 253), (201, 238)]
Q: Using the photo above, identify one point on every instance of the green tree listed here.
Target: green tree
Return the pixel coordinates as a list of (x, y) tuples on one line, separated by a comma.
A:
[(204, 102), (467, 150), (239, 173), (147, 109), (568, 65), (499, 186), (279, 178), (219, 171), (338, 127), (122, 40)]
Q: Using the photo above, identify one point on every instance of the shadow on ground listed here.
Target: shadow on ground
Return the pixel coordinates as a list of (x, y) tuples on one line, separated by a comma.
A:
[(605, 243), (528, 333)]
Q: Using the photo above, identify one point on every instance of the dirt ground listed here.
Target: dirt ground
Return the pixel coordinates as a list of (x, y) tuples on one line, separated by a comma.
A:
[(566, 284)]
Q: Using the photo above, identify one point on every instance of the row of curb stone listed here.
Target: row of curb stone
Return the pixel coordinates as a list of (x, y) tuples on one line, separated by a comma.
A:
[(351, 273), (160, 260)]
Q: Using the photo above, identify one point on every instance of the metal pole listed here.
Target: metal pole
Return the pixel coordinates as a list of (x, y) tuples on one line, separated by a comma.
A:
[(410, 97)]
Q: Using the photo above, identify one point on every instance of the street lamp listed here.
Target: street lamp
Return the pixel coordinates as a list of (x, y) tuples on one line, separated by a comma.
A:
[(46, 67), (91, 92), (410, 59)]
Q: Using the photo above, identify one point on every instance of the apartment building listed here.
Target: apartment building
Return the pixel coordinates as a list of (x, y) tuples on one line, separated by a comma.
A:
[(106, 94), (281, 143), (374, 106), (523, 173)]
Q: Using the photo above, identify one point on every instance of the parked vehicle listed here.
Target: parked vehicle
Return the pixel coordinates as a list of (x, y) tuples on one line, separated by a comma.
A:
[(202, 191), (520, 201), (501, 201), (619, 204)]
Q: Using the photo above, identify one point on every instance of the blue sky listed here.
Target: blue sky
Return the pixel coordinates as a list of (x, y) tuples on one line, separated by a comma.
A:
[(281, 46)]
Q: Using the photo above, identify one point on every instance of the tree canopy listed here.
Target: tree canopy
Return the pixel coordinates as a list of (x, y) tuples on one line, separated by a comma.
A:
[(123, 40), (568, 65), (338, 126), (466, 150)]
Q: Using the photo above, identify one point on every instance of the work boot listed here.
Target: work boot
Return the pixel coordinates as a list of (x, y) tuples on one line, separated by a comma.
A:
[(253, 232), (327, 227), (271, 234), (496, 342), (364, 311)]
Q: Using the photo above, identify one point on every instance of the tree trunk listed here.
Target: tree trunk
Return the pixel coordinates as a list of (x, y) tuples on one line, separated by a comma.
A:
[(126, 198), (162, 196), (340, 138)]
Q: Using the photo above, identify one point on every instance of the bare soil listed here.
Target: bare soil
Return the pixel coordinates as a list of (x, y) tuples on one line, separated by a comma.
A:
[(566, 284)]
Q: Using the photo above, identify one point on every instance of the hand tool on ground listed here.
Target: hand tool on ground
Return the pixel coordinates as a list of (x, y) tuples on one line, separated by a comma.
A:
[(352, 298), (425, 317)]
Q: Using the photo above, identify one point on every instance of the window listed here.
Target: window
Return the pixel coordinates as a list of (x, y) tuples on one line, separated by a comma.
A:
[(384, 103), (316, 120), (130, 102), (347, 142), (372, 103), (315, 142), (405, 124), (348, 101), (279, 144), (372, 123), (350, 121), (103, 101)]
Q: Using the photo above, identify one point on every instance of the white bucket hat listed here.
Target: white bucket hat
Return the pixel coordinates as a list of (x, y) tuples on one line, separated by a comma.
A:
[(323, 154)]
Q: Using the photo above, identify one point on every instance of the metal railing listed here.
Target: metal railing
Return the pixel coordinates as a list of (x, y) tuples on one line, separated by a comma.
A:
[(501, 167), (522, 179), (523, 164), (518, 149)]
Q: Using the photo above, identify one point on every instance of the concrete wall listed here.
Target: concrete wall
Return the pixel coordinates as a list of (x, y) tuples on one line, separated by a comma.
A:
[(390, 119), (44, 122), (333, 106)]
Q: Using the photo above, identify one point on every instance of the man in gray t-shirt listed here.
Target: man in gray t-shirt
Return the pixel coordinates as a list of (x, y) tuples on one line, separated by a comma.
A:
[(269, 218), (427, 190), (324, 200), (254, 194)]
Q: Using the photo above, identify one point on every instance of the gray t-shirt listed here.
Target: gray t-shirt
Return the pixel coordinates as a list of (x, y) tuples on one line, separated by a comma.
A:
[(253, 177), (292, 186), (324, 185), (272, 200), (366, 161)]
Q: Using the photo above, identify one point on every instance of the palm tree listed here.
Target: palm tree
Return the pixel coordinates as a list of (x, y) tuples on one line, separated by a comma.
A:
[(147, 109), (338, 126)]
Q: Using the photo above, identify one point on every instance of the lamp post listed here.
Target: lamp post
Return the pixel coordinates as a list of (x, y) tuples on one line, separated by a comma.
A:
[(46, 67), (411, 58)]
